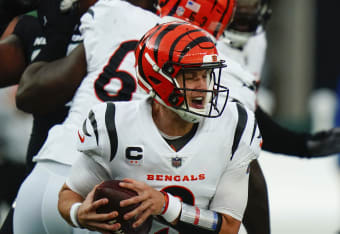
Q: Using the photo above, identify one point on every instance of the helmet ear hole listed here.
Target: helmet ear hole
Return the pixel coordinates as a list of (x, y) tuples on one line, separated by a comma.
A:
[(168, 69), (174, 98)]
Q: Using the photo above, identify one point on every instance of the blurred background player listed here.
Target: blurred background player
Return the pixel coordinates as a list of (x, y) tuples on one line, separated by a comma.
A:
[(247, 39), (109, 53), (246, 42), (34, 40)]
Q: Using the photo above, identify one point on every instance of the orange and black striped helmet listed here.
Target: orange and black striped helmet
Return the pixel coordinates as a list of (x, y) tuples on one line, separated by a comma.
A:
[(174, 47), (211, 15)]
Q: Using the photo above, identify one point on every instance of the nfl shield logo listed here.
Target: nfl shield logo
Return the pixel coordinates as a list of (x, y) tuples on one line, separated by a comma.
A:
[(176, 162)]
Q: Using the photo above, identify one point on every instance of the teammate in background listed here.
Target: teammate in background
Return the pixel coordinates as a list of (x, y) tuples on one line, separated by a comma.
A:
[(178, 66), (247, 38), (109, 54), (36, 40)]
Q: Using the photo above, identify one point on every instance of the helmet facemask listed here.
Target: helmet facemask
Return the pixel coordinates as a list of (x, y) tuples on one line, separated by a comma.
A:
[(207, 102)]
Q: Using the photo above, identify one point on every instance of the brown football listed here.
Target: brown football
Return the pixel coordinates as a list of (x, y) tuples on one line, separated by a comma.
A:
[(111, 190)]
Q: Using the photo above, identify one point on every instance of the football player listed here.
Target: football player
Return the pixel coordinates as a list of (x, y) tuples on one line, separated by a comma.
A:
[(109, 64), (179, 146), (29, 39), (239, 81), (246, 38)]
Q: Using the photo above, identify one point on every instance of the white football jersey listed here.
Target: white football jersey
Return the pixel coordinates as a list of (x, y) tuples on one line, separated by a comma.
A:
[(111, 30), (120, 140), (244, 69)]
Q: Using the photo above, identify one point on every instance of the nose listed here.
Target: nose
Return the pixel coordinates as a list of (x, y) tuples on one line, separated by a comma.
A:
[(201, 82)]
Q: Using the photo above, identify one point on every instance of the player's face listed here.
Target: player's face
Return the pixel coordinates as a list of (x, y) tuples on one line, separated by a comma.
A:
[(195, 82)]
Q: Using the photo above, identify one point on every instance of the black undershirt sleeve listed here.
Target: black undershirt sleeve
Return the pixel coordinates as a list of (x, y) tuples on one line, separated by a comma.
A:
[(278, 139)]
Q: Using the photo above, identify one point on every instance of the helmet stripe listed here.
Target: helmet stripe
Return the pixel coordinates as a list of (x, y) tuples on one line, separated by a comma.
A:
[(160, 37), (174, 8), (218, 27), (172, 48), (194, 43), (140, 58)]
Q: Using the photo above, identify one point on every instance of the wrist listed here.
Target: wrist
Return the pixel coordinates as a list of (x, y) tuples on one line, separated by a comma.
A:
[(74, 214), (166, 202), (172, 208)]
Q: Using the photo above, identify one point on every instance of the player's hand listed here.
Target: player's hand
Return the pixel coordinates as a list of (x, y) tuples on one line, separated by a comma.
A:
[(151, 200), (324, 143), (88, 218)]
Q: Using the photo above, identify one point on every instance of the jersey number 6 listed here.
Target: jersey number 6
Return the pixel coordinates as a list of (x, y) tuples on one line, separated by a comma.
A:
[(111, 71)]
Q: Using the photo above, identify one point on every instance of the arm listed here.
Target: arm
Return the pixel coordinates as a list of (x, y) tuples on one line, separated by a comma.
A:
[(278, 139), (51, 81), (176, 213), (12, 62), (78, 192), (58, 79)]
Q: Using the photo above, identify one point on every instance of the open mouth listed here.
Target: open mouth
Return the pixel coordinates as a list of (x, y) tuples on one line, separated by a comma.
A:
[(197, 102)]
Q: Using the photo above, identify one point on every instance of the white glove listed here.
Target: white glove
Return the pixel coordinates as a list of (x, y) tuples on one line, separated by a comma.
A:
[(66, 5)]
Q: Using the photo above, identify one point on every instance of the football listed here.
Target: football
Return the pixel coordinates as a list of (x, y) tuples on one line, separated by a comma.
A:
[(111, 190)]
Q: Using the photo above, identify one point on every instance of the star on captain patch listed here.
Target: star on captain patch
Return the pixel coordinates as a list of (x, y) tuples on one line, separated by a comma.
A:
[(176, 162)]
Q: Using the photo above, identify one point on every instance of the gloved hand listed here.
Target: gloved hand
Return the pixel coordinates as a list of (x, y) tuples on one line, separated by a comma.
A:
[(67, 5), (324, 143)]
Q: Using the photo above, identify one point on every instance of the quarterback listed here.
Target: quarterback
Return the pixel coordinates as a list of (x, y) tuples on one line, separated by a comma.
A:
[(181, 144)]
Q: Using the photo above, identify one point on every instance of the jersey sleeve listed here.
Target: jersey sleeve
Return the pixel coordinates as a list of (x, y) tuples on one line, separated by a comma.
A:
[(97, 27), (232, 191), (27, 29), (85, 173), (247, 139), (87, 29), (97, 142), (97, 137)]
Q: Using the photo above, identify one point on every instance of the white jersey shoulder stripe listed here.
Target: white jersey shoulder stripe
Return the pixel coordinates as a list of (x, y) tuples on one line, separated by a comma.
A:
[(111, 128), (241, 125)]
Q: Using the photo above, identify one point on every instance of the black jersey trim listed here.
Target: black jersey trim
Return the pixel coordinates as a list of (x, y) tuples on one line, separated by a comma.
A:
[(179, 143), (254, 131), (241, 125), (93, 122), (85, 129), (91, 12), (111, 128)]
